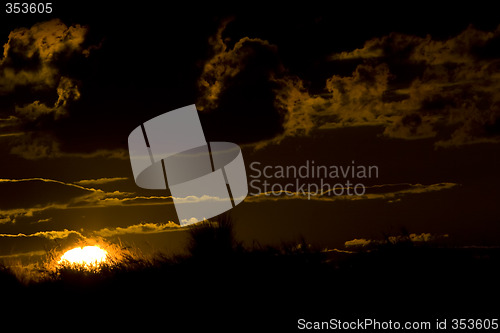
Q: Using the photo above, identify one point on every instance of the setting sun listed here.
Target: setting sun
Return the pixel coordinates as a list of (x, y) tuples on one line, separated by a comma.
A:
[(86, 256)]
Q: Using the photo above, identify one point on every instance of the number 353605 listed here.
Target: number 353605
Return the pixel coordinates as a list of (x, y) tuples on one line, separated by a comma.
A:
[(474, 324), (28, 8)]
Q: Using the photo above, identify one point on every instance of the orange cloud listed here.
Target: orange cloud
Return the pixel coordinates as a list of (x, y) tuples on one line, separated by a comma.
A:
[(358, 242), (32, 58), (51, 234), (100, 181), (414, 238), (88, 197), (35, 50), (457, 89), (225, 64), (141, 228), (356, 100), (67, 91), (414, 87)]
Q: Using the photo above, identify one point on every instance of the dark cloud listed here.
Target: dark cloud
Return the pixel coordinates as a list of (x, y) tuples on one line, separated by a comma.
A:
[(456, 87), (414, 238), (67, 91), (36, 145), (414, 87), (31, 55), (35, 244), (141, 228), (100, 181), (236, 90), (31, 70), (21, 198)]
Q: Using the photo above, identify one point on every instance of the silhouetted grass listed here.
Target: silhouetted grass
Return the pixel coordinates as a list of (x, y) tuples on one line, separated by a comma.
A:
[(213, 239), (219, 282)]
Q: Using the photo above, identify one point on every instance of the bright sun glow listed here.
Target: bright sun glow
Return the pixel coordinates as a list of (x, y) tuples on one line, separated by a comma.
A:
[(86, 256)]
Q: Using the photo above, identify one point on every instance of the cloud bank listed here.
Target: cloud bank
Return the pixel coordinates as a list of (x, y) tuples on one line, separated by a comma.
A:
[(141, 228), (414, 238), (73, 195), (33, 59), (413, 87), (31, 55), (327, 196)]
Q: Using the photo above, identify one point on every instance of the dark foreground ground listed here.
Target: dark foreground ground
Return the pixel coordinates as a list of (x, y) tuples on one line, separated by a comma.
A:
[(223, 287)]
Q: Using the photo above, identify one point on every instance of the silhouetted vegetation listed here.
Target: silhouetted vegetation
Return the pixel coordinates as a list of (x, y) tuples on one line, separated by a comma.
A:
[(213, 240), (221, 284)]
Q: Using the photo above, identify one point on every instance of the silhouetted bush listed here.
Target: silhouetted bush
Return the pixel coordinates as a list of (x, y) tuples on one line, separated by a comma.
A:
[(213, 239)]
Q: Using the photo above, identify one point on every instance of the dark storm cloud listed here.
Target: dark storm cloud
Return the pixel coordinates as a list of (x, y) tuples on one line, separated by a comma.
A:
[(236, 88), (32, 61), (457, 87), (67, 91), (31, 55), (414, 87), (226, 64)]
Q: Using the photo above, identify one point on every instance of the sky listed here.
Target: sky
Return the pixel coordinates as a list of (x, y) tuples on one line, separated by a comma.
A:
[(414, 92)]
